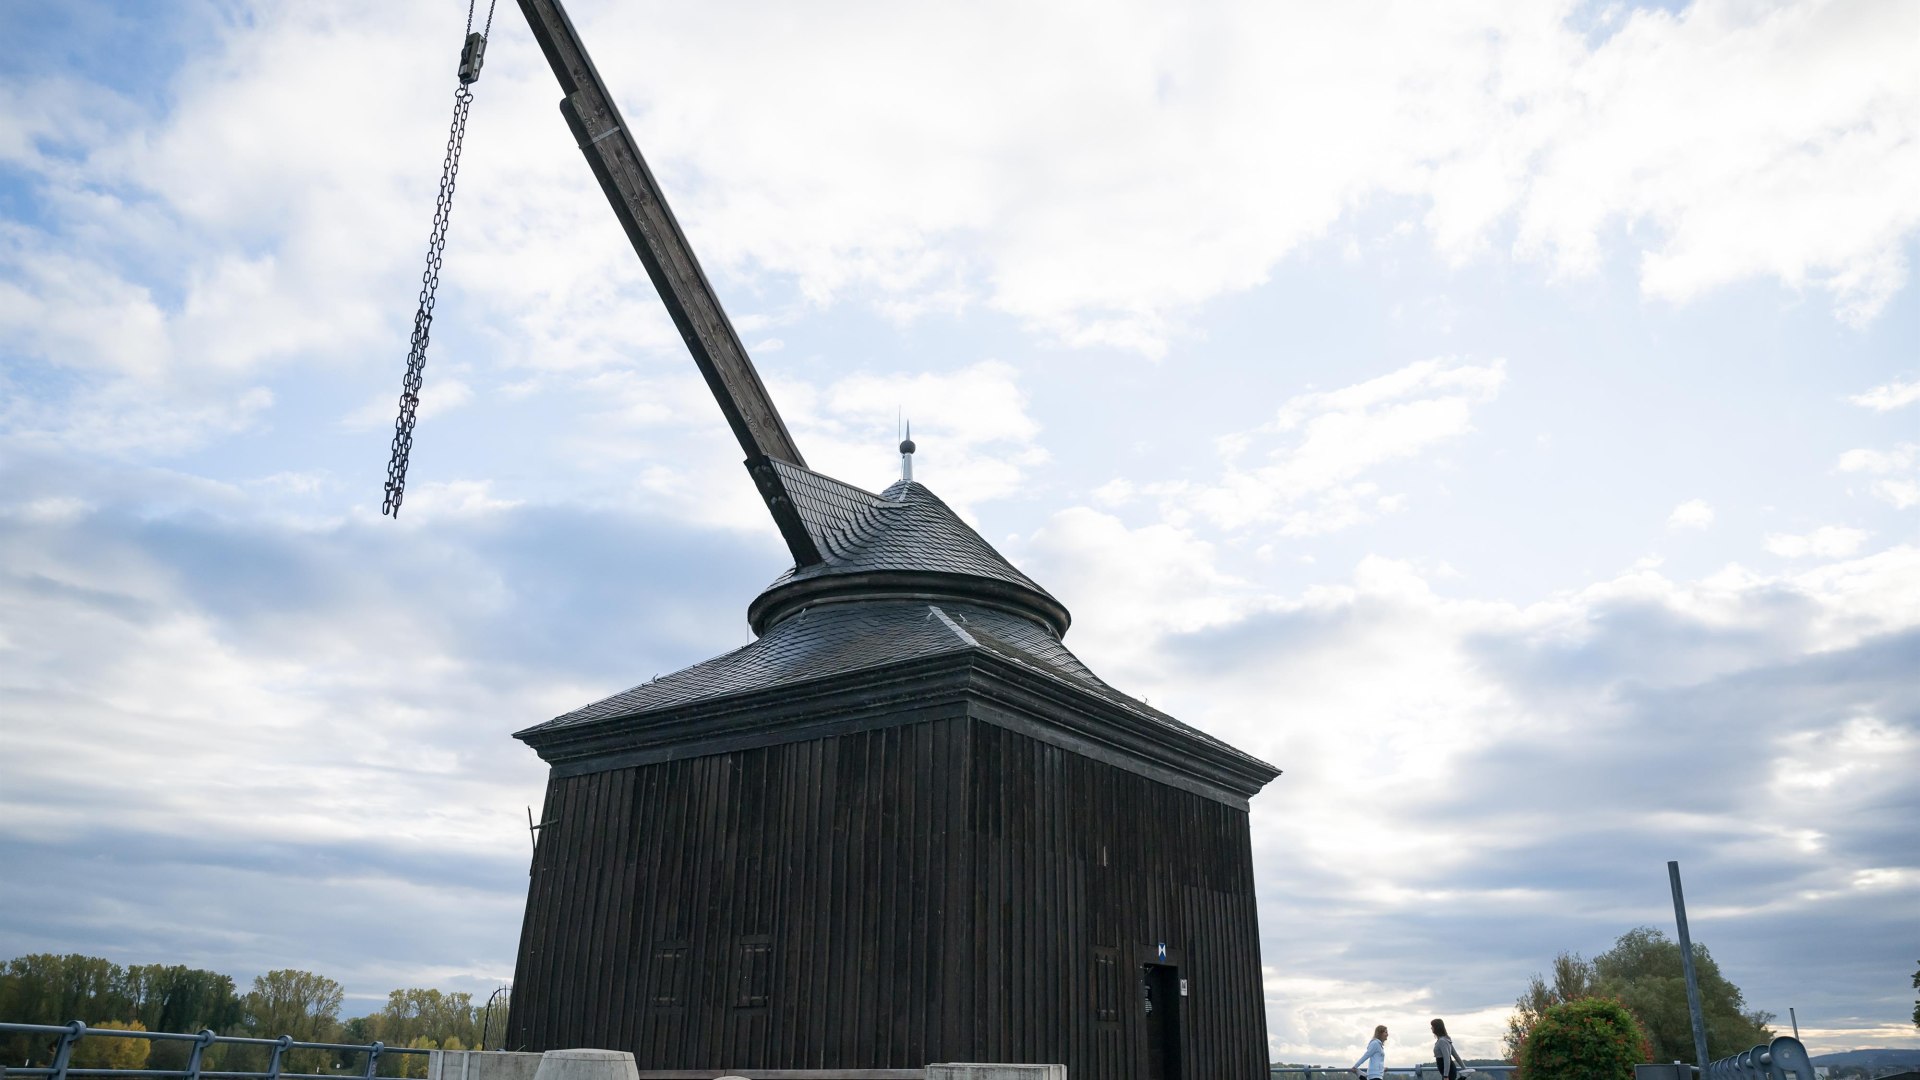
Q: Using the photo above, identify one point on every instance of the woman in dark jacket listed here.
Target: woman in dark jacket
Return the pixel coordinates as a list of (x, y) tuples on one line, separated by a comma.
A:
[(1444, 1055)]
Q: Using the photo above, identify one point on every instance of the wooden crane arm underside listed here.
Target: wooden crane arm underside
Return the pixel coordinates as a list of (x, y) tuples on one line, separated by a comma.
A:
[(636, 199)]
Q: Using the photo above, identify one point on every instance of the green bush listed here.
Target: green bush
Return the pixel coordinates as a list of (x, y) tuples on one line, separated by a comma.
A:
[(1590, 1039)]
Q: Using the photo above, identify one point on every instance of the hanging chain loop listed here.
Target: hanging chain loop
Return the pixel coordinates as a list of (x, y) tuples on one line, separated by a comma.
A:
[(472, 53)]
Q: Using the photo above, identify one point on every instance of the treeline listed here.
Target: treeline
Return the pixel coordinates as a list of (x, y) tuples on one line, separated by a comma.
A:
[(47, 989)]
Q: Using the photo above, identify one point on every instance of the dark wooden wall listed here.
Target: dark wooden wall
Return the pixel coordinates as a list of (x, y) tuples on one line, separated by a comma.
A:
[(945, 890)]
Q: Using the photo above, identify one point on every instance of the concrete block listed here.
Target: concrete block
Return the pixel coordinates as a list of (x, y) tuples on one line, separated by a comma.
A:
[(586, 1065), (976, 1071), (481, 1065)]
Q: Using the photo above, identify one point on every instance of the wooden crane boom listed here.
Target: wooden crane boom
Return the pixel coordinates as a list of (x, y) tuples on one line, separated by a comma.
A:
[(637, 201)]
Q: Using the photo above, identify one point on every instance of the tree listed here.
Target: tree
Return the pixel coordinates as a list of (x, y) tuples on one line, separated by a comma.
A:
[(1572, 981), (1589, 1039), (1916, 1004), (110, 1051), (54, 989), (297, 1003), (179, 998), (45, 988), (416, 1011), (1643, 972), (414, 1066)]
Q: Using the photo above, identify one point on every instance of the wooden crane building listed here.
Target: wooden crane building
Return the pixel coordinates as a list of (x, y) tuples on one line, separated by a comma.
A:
[(904, 824)]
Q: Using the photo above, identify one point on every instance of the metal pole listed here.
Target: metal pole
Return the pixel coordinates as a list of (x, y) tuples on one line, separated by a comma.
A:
[(1686, 966), (1796, 1021), (64, 1053), (199, 1052)]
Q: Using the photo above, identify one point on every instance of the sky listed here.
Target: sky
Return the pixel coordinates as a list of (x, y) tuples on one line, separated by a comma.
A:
[(1504, 417)]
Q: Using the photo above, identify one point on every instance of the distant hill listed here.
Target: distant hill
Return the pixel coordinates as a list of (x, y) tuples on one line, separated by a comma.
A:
[(1871, 1058)]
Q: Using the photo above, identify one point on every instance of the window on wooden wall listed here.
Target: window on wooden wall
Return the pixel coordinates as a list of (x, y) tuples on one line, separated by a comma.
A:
[(753, 972), (1106, 984), (668, 984)]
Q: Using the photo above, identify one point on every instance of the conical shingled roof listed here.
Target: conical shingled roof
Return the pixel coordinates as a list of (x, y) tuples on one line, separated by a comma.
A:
[(903, 586), (838, 638), (901, 542)]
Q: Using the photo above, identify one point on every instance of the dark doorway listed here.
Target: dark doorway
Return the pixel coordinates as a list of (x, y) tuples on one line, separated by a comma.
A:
[(1160, 995)]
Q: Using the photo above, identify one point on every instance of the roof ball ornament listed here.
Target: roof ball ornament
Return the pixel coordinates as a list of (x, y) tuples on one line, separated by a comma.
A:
[(906, 454)]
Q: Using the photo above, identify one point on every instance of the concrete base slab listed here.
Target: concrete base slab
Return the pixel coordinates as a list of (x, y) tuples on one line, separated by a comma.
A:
[(980, 1071), (481, 1065)]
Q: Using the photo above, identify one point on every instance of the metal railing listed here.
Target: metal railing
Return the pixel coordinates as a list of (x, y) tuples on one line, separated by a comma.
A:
[(70, 1035), (1780, 1059), (1414, 1071)]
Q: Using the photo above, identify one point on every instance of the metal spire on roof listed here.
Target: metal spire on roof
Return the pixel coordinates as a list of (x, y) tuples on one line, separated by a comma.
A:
[(906, 454)]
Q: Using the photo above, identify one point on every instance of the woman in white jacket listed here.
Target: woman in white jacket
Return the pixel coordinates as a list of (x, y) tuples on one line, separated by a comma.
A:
[(1375, 1059)]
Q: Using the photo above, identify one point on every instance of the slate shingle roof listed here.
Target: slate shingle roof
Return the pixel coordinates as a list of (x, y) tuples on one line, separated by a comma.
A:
[(905, 527), (841, 638), (919, 583), (838, 638)]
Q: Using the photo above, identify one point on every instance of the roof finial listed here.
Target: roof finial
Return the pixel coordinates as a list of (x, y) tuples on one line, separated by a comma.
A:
[(906, 453)]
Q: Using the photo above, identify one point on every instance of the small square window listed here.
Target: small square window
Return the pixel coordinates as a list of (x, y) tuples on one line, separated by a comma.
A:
[(669, 976), (1106, 984), (753, 973)]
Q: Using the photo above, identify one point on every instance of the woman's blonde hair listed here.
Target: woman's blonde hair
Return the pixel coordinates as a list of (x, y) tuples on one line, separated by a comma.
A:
[(1379, 1031)]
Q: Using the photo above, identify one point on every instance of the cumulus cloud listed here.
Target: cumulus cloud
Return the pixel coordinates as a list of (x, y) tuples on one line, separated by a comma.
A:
[(1099, 190), (662, 439), (442, 397), (1827, 542), (1738, 142), (125, 417), (1472, 784), (1517, 773), (1888, 396), (1757, 141), (1692, 514), (1895, 472), (291, 729), (1307, 470), (975, 436)]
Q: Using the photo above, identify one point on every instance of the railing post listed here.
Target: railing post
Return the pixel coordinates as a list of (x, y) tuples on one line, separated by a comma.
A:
[(373, 1058), (64, 1052), (200, 1044), (279, 1052)]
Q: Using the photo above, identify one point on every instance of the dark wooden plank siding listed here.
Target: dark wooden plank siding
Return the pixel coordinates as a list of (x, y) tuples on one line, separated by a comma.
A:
[(940, 890)]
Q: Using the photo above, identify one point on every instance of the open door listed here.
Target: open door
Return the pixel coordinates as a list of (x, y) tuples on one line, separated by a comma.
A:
[(1160, 996)]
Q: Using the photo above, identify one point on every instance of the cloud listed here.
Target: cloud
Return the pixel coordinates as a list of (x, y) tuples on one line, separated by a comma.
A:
[(975, 436), (1473, 786), (1306, 468), (1888, 396), (125, 417), (1185, 155), (1099, 190), (1880, 462), (1470, 785), (1887, 466), (293, 730), (1692, 514), (1758, 142), (437, 501), (1827, 542)]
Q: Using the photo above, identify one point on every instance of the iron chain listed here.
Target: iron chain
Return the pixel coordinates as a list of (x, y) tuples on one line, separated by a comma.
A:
[(470, 59)]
